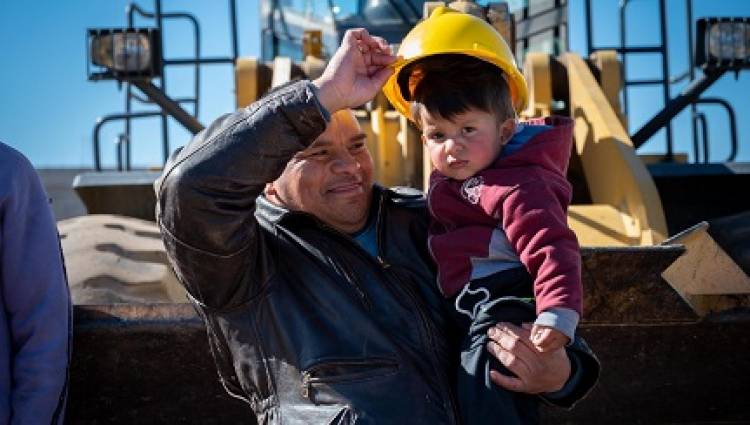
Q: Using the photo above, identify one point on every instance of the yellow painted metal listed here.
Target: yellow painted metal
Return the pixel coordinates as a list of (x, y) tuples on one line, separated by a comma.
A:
[(705, 276), (618, 181), (385, 145), (610, 79), (536, 70), (394, 145), (427, 168), (312, 44), (602, 225), (680, 158), (614, 174), (411, 150), (499, 16), (246, 81)]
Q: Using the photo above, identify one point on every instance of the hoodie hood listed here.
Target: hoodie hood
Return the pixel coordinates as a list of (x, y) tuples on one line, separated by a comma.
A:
[(548, 145)]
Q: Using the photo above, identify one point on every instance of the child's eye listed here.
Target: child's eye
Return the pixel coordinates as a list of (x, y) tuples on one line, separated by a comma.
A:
[(436, 137), (468, 131)]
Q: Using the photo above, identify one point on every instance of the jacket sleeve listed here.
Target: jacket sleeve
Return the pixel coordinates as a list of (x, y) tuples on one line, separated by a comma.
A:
[(206, 195), (584, 375), (34, 296), (535, 222)]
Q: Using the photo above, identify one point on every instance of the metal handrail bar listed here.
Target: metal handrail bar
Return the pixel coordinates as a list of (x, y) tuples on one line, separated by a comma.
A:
[(732, 125), (115, 117), (700, 116)]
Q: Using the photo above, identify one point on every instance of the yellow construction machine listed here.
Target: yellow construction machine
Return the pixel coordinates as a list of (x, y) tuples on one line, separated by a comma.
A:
[(665, 243)]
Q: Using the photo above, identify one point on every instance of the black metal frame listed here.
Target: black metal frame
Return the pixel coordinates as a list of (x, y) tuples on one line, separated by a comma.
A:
[(553, 19), (689, 96), (156, 93)]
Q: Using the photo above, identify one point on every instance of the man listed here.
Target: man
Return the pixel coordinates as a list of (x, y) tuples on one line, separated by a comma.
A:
[(316, 286), (35, 311)]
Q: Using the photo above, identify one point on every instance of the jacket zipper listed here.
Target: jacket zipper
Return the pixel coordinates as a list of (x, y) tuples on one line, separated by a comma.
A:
[(349, 277), (424, 323), (427, 330), (362, 369)]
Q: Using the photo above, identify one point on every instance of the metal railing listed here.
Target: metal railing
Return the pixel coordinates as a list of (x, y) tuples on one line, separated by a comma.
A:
[(123, 145), (672, 106)]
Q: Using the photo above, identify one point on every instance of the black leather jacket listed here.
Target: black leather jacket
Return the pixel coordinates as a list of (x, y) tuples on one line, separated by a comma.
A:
[(303, 323)]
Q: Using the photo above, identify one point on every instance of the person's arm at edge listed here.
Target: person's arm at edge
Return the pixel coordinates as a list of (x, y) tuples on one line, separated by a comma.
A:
[(35, 296)]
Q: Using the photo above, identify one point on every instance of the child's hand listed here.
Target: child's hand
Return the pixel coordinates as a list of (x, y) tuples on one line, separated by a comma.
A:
[(547, 339)]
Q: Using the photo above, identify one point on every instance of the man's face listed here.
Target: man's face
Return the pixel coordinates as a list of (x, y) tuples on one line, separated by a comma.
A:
[(331, 179)]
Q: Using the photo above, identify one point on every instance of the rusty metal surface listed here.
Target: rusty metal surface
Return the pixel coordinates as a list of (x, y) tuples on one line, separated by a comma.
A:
[(137, 364), (151, 364), (135, 314), (667, 374), (624, 285)]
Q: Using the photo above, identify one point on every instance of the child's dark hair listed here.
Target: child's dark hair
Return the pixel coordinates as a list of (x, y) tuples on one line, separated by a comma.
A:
[(450, 84)]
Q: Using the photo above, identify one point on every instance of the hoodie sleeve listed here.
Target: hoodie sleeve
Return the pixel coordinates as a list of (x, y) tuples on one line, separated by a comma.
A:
[(34, 295), (535, 222)]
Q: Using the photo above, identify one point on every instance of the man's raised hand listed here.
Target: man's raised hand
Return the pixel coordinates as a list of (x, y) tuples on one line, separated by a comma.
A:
[(356, 72)]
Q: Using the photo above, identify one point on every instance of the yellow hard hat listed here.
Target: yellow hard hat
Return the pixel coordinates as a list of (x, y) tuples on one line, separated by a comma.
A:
[(451, 31)]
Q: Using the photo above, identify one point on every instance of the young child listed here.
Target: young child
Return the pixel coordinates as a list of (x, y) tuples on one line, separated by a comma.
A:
[(498, 199)]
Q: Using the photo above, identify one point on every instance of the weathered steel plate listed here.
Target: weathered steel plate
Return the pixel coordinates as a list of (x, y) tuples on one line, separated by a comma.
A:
[(624, 285)]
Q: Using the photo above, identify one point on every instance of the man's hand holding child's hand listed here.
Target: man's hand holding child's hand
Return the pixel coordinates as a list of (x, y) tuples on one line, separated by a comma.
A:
[(547, 339)]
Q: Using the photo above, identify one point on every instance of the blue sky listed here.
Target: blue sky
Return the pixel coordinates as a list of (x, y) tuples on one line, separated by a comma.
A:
[(48, 108)]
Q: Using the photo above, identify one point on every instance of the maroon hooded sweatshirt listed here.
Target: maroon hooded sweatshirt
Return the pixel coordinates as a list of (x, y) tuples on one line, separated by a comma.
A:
[(511, 214)]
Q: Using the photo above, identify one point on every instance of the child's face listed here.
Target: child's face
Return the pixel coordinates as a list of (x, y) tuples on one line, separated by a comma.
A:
[(466, 145)]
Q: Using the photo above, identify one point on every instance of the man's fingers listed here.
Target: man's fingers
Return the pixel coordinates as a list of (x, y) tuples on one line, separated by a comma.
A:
[(381, 76), (360, 38), (384, 46), (353, 36), (518, 364), (523, 331), (508, 382), (535, 372), (512, 338), (382, 59)]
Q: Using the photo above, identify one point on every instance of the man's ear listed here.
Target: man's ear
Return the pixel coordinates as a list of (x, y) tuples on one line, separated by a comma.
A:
[(507, 130)]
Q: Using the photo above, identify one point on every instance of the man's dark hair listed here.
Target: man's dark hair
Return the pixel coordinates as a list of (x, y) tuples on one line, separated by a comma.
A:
[(450, 84)]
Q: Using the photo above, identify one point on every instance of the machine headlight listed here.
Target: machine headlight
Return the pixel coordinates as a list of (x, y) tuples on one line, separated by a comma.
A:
[(723, 43), (124, 53)]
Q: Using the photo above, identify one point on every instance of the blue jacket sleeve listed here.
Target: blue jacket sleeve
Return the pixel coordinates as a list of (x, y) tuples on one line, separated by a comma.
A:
[(34, 299), (584, 374)]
